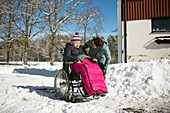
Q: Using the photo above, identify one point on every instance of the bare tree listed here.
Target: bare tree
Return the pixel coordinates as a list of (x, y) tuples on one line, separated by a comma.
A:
[(90, 14), (57, 12), (7, 30), (28, 21)]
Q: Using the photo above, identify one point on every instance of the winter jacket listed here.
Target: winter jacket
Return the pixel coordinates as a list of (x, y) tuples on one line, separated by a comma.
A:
[(71, 53), (103, 55)]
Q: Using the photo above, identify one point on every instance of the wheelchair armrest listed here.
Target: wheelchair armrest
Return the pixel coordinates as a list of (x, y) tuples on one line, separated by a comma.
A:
[(69, 62)]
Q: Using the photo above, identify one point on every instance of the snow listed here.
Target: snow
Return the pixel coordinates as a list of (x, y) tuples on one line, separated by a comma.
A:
[(133, 87)]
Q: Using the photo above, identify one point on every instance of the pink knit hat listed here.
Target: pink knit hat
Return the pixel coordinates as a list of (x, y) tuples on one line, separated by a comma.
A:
[(75, 37)]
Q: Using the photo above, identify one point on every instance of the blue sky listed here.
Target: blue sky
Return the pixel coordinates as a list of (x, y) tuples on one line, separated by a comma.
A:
[(109, 9)]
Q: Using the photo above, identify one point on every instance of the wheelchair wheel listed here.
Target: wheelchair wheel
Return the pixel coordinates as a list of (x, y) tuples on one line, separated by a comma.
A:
[(61, 84)]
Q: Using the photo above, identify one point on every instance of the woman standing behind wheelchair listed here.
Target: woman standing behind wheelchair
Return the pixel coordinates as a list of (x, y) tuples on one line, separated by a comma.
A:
[(99, 51)]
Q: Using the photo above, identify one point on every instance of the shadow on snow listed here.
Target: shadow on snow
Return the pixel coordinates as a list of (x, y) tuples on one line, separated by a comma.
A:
[(49, 92), (34, 71), (41, 90)]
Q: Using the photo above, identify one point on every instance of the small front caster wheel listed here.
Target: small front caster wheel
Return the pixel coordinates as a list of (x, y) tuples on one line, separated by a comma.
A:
[(96, 96), (70, 98)]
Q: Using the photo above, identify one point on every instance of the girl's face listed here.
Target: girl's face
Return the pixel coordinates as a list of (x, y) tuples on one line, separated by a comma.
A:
[(76, 44), (93, 45)]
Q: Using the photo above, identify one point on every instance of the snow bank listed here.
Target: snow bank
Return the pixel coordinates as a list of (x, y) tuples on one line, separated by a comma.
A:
[(142, 84), (144, 80)]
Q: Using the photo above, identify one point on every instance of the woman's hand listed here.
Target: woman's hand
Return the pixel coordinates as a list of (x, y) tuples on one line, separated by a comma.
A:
[(95, 60)]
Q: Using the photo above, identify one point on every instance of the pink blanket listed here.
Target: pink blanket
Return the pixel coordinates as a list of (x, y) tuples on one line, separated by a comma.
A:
[(92, 77)]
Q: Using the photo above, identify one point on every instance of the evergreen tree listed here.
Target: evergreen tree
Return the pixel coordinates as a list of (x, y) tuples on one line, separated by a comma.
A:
[(113, 47)]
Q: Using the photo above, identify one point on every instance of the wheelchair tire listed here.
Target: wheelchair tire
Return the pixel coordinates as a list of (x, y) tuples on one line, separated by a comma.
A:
[(61, 84)]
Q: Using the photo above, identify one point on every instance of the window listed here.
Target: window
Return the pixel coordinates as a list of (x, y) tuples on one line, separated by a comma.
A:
[(161, 24)]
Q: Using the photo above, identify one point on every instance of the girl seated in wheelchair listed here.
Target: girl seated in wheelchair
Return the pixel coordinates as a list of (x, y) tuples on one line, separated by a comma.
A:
[(91, 73)]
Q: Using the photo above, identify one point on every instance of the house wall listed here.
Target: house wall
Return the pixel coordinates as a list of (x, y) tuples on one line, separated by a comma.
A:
[(140, 42), (141, 45)]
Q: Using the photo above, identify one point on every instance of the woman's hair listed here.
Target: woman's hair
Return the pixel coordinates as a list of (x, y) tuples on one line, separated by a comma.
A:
[(98, 41)]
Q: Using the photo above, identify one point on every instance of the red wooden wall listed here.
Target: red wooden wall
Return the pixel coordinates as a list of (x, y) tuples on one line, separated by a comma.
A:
[(146, 9)]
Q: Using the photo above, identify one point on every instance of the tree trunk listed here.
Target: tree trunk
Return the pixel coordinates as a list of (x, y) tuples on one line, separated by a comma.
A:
[(9, 40), (12, 53), (8, 53), (84, 36), (26, 52), (53, 49)]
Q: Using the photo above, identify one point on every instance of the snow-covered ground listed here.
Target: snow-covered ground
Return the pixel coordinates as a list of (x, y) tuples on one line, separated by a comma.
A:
[(133, 87)]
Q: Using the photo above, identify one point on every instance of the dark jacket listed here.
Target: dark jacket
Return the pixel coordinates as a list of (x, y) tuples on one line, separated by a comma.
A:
[(71, 53)]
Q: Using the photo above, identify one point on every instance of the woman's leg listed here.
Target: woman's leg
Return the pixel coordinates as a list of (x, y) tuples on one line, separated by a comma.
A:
[(103, 70)]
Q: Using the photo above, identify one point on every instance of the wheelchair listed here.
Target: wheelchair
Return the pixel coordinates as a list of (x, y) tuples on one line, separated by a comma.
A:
[(68, 84)]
